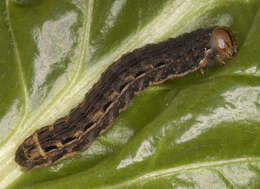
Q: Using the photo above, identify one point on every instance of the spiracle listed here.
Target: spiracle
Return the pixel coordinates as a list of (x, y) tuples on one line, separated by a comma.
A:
[(129, 75)]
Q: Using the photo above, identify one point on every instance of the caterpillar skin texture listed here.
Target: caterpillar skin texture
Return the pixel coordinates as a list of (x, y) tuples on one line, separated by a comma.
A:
[(129, 75)]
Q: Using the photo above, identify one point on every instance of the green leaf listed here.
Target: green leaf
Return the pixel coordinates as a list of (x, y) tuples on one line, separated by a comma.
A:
[(190, 132)]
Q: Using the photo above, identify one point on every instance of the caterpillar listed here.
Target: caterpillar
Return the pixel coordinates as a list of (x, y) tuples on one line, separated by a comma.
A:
[(129, 75)]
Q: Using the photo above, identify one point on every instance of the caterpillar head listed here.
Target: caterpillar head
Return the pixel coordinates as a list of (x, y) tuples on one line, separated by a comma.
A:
[(223, 41)]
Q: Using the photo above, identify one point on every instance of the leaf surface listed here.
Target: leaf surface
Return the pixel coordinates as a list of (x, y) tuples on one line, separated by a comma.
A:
[(190, 132)]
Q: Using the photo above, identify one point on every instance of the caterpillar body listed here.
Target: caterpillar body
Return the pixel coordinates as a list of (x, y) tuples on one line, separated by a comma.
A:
[(129, 75)]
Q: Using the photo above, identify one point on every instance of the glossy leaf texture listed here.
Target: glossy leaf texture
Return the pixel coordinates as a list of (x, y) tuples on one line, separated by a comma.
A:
[(191, 132)]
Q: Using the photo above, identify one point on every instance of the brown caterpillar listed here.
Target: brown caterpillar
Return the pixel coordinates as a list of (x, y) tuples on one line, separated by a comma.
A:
[(129, 75)]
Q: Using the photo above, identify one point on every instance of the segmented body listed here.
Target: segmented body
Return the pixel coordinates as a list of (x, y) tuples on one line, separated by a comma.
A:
[(128, 76)]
